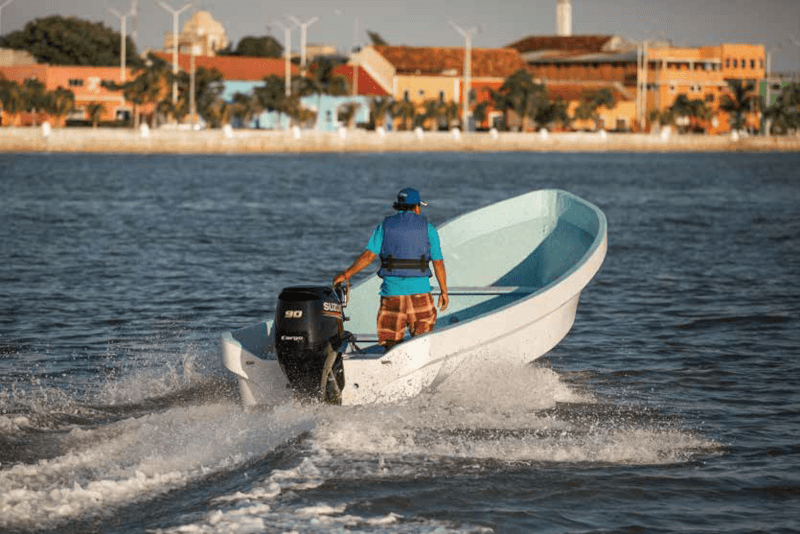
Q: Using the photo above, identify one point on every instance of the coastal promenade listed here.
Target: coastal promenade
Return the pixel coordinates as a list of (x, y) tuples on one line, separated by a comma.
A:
[(164, 141)]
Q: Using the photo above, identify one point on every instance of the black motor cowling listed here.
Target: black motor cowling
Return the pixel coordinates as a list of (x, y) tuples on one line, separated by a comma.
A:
[(309, 335)]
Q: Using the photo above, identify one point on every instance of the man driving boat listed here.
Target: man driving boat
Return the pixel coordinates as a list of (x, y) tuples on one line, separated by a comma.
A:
[(406, 244)]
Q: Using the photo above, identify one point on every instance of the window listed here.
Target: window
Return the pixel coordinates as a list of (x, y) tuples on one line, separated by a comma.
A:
[(709, 97), (752, 63), (673, 88), (75, 82), (727, 63), (735, 63), (744, 63), (406, 95), (441, 96)]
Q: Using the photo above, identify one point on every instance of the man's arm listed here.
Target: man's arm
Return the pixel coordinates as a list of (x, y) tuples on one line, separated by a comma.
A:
[(361, 262), (441, 277)]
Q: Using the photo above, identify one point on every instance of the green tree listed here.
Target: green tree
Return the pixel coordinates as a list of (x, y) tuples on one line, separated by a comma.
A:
[(60, 103), (266, 46), (403, 110), (556, 113), (784, 114), (347, 112), (95, 110), (60, 40), (376, 39), (34, 97), (480, 113), (521, 95), (11, 99), (244, 107), (379, 108), (685, 109), (738, 101), (153, 77), (591, 101), (434, 113)]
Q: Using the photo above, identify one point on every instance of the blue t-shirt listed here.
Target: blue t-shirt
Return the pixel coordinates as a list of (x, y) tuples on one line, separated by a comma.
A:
[(396, 285)]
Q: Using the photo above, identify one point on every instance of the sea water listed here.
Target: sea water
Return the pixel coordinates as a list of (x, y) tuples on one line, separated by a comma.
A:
[(673, 405)]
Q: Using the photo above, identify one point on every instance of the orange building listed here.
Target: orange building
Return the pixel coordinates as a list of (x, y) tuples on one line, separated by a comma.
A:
[(656, 72), (84, 82)]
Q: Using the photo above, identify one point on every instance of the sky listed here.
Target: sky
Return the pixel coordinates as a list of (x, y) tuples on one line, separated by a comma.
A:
[(774, 23)]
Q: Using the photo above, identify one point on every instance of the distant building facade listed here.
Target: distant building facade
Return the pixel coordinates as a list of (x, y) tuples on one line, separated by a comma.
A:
[(657, 73), (86, 83)]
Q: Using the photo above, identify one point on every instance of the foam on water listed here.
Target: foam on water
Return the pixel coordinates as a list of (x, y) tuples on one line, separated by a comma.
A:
[(515, 418), (139, 458), (150, 432)]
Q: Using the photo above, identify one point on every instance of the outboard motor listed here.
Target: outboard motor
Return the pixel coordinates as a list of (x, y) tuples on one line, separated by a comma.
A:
[(309, 339)]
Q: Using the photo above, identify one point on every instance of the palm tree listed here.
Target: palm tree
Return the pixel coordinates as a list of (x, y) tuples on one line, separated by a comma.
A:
[(378, 109), (784, 114), (347, 113), (95, 110), (11, 99), (739, 101), (591, 101), (452, 113), (60, 103), (404, 110), (243, 108), (34, 97), (434, 113), (521, 95)]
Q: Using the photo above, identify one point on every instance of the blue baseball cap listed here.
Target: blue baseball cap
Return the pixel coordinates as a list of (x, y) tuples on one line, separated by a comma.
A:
[(409, 195)]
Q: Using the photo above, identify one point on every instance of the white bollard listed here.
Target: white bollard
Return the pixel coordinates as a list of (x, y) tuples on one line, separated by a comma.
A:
[(227, 130), (342, 132), (543, 133), (144, 131), (296, 131), (666, 131), (381, 132), (418, 132), (602, 134), (493, 133), (46, 129), (734, 135), (456, 133)]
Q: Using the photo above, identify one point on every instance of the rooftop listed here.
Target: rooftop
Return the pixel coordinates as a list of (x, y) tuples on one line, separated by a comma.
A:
[(449, 61), (234, 67)]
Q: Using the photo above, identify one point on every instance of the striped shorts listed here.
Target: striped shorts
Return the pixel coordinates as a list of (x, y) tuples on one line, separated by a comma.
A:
[(417, 312)]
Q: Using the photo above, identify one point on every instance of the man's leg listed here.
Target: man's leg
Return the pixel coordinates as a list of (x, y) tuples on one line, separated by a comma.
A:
[(421, 314), (392, 321)]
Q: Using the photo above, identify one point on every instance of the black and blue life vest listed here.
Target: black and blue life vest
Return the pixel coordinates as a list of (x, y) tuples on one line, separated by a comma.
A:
[(405, 251)]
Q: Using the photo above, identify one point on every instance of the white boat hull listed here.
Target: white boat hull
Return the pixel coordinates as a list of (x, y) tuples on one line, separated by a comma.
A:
[(521, 328)]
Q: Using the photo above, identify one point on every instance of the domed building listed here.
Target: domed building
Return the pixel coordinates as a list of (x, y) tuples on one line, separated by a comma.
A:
[(201, 31)]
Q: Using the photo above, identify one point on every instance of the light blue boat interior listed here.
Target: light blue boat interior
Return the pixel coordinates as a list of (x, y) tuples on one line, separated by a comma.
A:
[(500, 254)]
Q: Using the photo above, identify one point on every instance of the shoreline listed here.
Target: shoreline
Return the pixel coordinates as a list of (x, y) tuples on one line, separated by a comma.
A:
[(164, 141)]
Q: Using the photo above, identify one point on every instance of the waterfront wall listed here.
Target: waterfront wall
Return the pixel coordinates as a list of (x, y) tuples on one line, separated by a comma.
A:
[(164, 141)]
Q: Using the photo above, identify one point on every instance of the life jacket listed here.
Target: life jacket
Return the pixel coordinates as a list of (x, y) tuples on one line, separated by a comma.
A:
[(406, 250)]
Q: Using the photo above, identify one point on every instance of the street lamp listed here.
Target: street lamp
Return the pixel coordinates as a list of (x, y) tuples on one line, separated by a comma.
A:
[(354, 52), (123, 22), (287, 45), (303, 29), (193, 77), (175, 14), (1, 14), (467, 34)]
